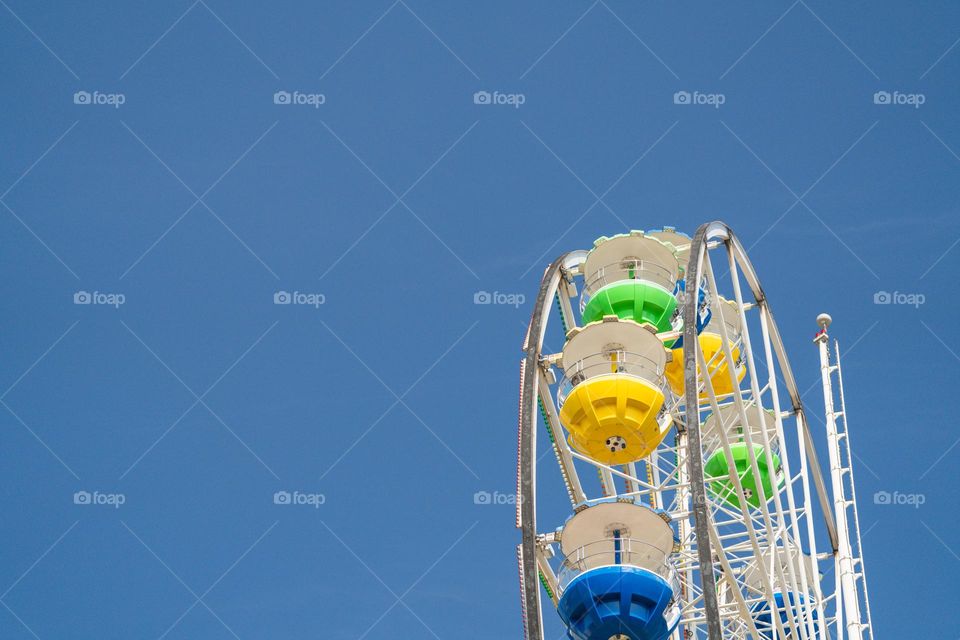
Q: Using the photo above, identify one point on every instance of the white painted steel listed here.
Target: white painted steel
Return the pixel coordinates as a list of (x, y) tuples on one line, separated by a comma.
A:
[(757, 552)]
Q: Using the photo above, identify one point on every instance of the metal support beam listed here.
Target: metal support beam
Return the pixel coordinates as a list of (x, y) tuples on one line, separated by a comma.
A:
[(527, 462), (692, 426)]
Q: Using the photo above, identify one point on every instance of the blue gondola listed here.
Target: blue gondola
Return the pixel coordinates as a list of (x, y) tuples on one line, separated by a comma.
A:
[(618, 600), (764, 621)]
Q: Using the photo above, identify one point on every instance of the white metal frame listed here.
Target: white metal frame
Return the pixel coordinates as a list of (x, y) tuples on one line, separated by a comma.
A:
[(716, 602)]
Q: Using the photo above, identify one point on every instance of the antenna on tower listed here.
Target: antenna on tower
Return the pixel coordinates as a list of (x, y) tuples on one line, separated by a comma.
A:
[(853, 600)]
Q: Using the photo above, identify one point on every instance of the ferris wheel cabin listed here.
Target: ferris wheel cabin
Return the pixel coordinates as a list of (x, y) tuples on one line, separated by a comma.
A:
[(631, 276), (711, 345), (717, 470), (617, 579), (787, 608), (611, 394)]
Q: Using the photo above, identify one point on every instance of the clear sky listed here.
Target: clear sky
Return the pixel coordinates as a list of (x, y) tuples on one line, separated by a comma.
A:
[(148, 158)]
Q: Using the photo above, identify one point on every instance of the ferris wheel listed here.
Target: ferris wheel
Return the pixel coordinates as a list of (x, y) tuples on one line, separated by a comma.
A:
[(697, 503)]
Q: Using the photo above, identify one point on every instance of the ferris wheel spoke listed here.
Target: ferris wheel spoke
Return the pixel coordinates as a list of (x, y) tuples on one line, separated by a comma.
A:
[(782, 580)]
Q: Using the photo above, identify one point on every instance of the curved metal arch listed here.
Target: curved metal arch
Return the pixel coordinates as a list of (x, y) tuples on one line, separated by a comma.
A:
[(691, 424), (719, 230), (527, 458)]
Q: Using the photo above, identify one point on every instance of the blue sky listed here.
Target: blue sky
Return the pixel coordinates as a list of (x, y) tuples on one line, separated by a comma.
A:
[(184, 389)]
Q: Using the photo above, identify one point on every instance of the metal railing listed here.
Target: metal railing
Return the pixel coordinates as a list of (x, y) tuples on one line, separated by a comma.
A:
[(729, 316), (712, 439), (611, 552), (617, 363), (628, 269)]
